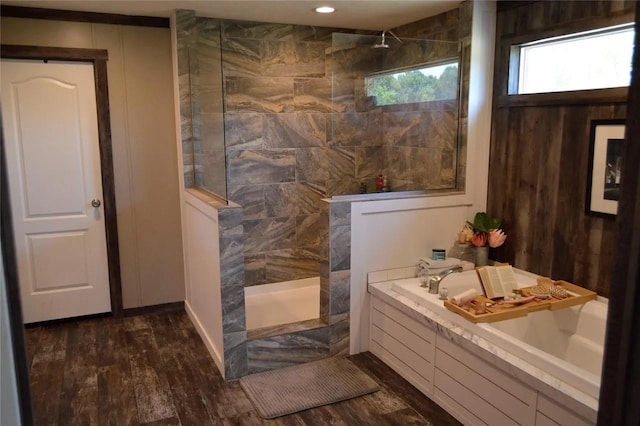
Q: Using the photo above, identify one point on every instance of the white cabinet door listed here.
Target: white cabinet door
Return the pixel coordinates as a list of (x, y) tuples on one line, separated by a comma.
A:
[(53, 160)]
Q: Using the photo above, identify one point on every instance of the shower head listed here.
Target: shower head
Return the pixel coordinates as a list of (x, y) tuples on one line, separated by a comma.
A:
[(383, 44)]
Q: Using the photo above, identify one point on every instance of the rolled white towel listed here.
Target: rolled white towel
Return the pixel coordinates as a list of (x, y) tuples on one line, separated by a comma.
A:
[(465, 297), (435, 266), (442, 263), (467, 266)]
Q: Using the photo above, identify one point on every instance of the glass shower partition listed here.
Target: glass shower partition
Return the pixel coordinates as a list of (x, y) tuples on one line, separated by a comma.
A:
[(395, 114), (207, 109)]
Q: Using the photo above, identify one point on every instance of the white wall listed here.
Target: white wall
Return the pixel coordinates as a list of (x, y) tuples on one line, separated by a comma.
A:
[(143, 133), (202, 263), (396, 233), (483, 34)]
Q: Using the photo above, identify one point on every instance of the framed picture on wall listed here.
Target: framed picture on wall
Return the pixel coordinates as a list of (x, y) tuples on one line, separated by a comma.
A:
[(605, 161)]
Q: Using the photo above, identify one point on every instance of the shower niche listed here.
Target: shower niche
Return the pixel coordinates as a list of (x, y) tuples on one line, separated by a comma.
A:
[(396, 113)]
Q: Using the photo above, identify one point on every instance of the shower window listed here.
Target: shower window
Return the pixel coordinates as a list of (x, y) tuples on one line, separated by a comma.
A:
[(434, 82)]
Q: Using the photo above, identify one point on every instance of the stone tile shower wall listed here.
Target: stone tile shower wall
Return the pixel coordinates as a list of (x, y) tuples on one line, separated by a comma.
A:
[(415, 145), (277, 100), (421, 140), (291, 141), (454, 25), (356, 144)]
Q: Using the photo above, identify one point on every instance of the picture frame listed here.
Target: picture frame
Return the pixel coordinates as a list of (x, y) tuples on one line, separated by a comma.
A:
[(605, 160)]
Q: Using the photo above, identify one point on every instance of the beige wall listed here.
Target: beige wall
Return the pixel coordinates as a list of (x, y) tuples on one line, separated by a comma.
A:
[(144, 153)]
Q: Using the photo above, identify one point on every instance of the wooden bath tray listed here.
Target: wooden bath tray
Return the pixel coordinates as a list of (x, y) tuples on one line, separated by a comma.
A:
[(503, 311)]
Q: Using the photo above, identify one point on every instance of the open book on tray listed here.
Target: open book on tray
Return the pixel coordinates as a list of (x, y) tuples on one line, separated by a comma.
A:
[(497, 281)]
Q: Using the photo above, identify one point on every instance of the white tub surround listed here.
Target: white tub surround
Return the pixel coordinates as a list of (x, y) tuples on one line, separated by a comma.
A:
[(465, 367), (567, 343), (269, 305)]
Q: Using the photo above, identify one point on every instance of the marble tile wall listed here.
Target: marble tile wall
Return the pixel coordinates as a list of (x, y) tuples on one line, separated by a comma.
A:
[(454, 25), (277, 99), (288, 349), (339, 276), (414, 145)]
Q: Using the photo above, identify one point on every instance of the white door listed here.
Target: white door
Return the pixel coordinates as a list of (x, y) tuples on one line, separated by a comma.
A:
[(51, 139)]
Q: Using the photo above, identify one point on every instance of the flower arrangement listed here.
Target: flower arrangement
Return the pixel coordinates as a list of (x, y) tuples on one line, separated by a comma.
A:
[(483, 231)]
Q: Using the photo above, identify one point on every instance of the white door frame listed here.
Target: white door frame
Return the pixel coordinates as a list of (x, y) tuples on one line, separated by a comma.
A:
[(99, 59)]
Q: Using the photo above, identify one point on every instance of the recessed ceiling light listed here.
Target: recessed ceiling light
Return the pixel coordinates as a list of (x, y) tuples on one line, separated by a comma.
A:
[(325, 9)]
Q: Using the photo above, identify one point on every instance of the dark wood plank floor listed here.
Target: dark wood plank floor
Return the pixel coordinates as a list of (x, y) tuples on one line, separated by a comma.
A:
[(155, 370)]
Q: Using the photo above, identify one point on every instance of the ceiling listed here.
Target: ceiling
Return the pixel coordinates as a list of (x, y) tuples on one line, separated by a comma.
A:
[(355, 14)]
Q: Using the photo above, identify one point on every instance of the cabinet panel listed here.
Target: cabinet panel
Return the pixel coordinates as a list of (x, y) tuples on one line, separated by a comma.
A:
[(514, 387), (424, 331), (407, 337), (418, 364), (542, 420), (486, 389), (558, 414), (400, 367), (472, 402), (456, 409)]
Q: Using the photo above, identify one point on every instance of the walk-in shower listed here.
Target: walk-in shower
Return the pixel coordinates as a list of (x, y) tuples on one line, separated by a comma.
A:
[(280, 121), (391, 111)]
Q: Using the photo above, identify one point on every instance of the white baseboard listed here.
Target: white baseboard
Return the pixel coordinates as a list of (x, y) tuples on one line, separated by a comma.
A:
[(215, 354)]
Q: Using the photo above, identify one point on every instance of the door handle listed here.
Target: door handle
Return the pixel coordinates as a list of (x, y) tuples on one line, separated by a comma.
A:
[(95, 203)]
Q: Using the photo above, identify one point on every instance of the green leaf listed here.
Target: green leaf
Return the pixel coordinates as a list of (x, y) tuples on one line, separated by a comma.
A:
[(494, 223), (482, 222)]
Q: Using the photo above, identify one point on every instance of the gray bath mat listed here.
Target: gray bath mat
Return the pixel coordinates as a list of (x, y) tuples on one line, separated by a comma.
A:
[(300, 387)]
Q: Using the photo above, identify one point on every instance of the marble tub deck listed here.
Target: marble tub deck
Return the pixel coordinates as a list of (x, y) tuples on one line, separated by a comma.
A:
[(538, 379)]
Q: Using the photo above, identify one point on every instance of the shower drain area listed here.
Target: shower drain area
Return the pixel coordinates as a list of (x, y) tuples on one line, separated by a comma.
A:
[(284, 303)]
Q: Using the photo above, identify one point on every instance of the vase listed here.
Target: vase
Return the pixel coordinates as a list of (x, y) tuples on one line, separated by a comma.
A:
[(463, 251), (482, 255)]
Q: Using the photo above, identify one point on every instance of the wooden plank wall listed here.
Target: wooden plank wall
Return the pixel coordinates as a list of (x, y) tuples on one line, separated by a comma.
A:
[(539, 154)]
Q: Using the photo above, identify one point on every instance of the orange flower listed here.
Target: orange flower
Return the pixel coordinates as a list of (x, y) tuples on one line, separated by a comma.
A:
[(479, 239)]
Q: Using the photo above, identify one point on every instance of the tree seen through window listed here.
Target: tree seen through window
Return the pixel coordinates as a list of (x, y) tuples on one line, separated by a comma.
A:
[(433, 83)]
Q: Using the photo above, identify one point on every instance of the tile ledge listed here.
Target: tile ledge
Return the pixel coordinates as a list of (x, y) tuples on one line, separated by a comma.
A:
[(279, 330), (211, 199)]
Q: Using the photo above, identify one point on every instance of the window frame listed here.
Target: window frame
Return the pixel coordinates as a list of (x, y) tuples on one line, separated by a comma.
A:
[(521, 51), (508, 59)]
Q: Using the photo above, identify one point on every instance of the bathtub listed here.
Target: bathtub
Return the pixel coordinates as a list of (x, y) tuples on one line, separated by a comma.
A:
[(567, 343), (280, 303)]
